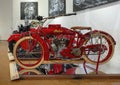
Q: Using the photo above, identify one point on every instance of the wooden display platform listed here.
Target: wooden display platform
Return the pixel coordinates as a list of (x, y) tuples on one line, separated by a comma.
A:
[(63, 61), (14, 74), (10, 56), (77, 76), (13, 71)]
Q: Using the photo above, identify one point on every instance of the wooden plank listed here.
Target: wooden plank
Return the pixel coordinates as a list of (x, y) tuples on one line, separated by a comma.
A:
[(63, 61), (13, 71), (10, 56), (52, 61), (80, 76), (77, 61)]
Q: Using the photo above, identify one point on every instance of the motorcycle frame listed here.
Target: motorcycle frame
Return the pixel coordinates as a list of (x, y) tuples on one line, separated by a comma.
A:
[(41, 36)]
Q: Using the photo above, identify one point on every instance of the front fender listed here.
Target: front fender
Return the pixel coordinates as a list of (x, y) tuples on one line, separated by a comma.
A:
[(14, 37), (43, 44)]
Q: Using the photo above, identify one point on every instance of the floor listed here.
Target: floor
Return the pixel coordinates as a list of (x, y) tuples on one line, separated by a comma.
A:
[(5, 75)]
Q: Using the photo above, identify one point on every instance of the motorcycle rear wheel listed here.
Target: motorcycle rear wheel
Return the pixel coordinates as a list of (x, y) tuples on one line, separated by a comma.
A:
[(106, 55)]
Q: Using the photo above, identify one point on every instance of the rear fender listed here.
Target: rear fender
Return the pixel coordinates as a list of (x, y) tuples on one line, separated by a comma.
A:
[(99, 31)]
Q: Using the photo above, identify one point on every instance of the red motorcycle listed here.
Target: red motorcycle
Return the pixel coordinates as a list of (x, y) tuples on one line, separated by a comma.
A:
[(60, 43)]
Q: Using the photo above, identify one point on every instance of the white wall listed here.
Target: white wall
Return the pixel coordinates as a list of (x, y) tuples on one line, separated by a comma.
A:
[(5, 18)]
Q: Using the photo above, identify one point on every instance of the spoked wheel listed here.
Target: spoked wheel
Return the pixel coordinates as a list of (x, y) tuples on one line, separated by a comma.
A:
[(105, 45), (28, 52)]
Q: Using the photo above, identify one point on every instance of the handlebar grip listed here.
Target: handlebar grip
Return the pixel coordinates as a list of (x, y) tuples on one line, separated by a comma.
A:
[(39, 18)]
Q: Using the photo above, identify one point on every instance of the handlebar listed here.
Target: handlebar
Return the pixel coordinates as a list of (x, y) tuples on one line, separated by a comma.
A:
[(40, 18), (60, 16), (43, 20)]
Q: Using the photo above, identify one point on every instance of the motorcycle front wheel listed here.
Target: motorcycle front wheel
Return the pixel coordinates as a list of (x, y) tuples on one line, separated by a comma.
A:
[(29, 53)]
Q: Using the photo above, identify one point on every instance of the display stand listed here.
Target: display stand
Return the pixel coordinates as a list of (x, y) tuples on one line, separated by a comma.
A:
[(10, 56), (63, 61), (94, 69), (78, 76), (14, 74), (36, 74), (13, 71)]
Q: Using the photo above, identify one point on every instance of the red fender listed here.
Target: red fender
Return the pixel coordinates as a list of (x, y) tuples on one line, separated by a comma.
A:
[(103, 33), (14, 37), (17, 36), (44, 45)]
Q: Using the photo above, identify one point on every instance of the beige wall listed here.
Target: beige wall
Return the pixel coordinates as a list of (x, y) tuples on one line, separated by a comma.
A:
[(5, 18)]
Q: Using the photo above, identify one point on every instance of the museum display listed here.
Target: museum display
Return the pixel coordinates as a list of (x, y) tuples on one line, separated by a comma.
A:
[(49, 41), (60, 43)]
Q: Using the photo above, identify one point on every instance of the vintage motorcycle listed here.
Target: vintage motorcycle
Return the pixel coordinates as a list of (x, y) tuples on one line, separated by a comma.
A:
[(60, 43)]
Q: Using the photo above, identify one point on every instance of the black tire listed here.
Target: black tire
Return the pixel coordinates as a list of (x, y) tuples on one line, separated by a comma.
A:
[(11, 46)]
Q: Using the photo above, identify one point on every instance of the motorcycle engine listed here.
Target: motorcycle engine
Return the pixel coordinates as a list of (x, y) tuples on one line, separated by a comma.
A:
[(58, 44)]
